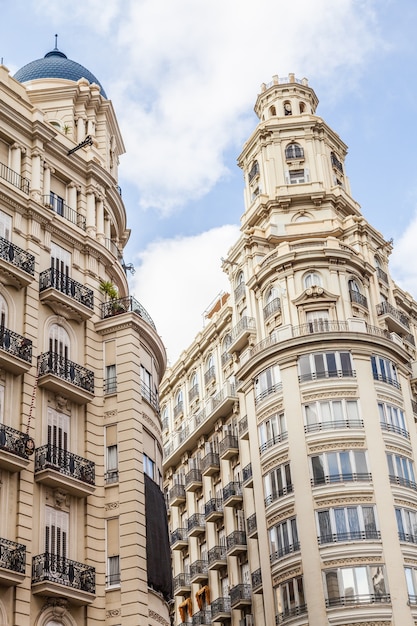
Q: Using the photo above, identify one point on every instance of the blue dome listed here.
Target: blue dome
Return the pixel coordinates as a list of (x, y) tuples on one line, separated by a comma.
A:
[(55, 64)]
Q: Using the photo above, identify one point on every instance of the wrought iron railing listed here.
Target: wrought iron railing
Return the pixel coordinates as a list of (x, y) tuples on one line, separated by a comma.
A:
[(251, 524), (193, 393), (319, 326), (220, 605), (16, 256), (247, 473), (332, 425), (243, 425), (344, 373), (150, 395), (393, 428), (15, 344), (278, 493), (125, 305), (354, 535), (210, 460), (177, 491), (236, 538), (385, 308), (365, 598), (181, 580), (65, 462), (110, 385), (232, 489), (239, 291), (279, 438), (225, 358), (268, 392), (404, 482), (58, 206), (341, 478), (358, 298), (198, 567), (12, 556), (201, 618), (59, 569), (382, 275), (386, 379), (209, 375), (281, 618), (178, 409), (13, 441), (193, 476), (229, 442), (272, 307), (217, 553), (214, 505), (245, 324), (58, 365), (240, 592), (179, 534), (256, 578), (64, 284), (197, 520), (284, 551), (14, 178)]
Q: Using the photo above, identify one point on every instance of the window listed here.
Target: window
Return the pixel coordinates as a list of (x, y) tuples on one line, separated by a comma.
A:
[(411, 579), (318, 321), (56, 532), (110, 380), (328, 414), (296, 177), (179, 404), (283, 539), (312, 279), (401, 470), (267, 382), (320, 365), (60, 268), (254, 171), (351, 523), (277, 483), (294, 151), (272, 302), (272, 431), (112, 471), (210, 373), (240, 286), (336, 163), (355, 293), (392, 419), (58, 438), (287, 108), (165, 418), (289, 598), (146, 383), (148, 466), (57, 203), (355, 584), (407, 524), (226, 356), (5, 226), (341, 466), (384, 370), (113, 571)]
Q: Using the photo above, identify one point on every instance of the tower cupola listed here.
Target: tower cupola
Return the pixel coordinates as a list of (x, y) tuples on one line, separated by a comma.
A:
[(285, 97)]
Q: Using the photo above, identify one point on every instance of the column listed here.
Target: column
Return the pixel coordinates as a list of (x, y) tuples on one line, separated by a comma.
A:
[(100, 219), (91, 214), (16, 158), (47, 171), (80, 134), (36, 172)]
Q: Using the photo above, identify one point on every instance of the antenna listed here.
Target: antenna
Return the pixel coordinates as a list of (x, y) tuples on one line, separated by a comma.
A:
[(56, 42)]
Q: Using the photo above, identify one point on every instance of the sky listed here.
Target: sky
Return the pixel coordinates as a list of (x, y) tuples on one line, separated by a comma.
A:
[(183, 76)]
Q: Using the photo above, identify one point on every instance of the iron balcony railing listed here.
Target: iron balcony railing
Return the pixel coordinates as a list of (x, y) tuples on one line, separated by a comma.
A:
[(149, 395), (343, 373), (125, 305), (110, 385), (386, 379), (197, 520), (220, 605), (215, 505), (281, 618), (341, 478), (193, 476), (358, 298), (64, 284), (247, 473), (240, 592), (59, 569), (409, 338), (332, 425), (354, 535), (64, 462), (14, 178), (278, 493), (201, 618), (211, 459), (382, 275), (227, 443), (15, 344), (181, 580), (385, 308), (225, 358), (319, 326), (217, 553), (279, 438), (12, 556), (406, 537), (243, 425), (198, 567), (272, 307), (16, 256), (251, 524), (193, 393), (256, 578), (404, 482), (178, 409), (13, 441), (113, 248), (393, 428), (179, 534), (236, 538), (246, 323), (239, 291), (414, 406), (210, 375), (58, 206), (58, 365), (284, 550), (268, 392), (232, 489), (365, 598), (177, 491)]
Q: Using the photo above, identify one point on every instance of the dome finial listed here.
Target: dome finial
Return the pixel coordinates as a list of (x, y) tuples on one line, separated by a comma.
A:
[(56, 42)]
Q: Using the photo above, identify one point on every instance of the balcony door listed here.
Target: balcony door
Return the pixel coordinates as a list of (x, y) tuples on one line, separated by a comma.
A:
[(58, 437), (56, 536), (59, 345), (5, 226), (60, 268)]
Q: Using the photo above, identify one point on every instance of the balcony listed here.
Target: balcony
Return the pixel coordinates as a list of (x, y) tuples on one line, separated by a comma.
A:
[(217, 558), (243, 427), (178, 409), (198, 571), (366, 598), (15, 352), (241, 333), (358, 298), (359, 535), (55, 576), (176, 495), (395, 320), (247, 476), (240, 596), (13, 450), (17, 267), (14, 178), (228, 447), (65, 296), (125, 305), (181, 584), (222, 403), (193, 480), (221, 610), (256, 578), (340, 478), (232, 494), (150, 396), (252, 526), (210, 464), (62, 376), (12, 562), (383, 276), (275, 440), (210, 375), (201, 618), (179, 539), (236, 543), (290, 613), (196, 525), (57, 205), (284, 551), (193, 393), (239, 291), (213, 509), (272, 308), (61, 469)]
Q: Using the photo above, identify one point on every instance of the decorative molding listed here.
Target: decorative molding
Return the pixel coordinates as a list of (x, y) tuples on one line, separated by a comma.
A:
[(158, 618), (112, 413), (279, 406), (296, 571), (337, 445), (394, 398), (332, 501), (375, 560), (279, 516), (308, 397), (110, 506), (275, 462), (113, 613)]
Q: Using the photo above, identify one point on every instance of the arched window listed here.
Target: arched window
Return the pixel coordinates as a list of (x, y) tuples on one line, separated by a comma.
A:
[(165, 418), (354, 286), (193, 392), (210, 371), (179, 404), (3, 312), (355, 293), (287, 108), (240, 286), (312, 279), (302, 107), (254, 170), (302, 217), (59, 342), (272, 302), (294, 151), (240, 279), (272, 111)]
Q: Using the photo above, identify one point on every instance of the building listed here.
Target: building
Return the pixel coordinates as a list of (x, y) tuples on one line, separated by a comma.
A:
[(290, 440), (80, 365)]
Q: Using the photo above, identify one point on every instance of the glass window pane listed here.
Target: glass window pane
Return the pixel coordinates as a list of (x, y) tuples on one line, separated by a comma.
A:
[(346, 363), (410, 581), (378, 581), (337, 411), (353, 521), (352, 410), (348, 582), (325, 530), (311, 414), (340, 522), (360, 462), (345, 464), (362, 585), (318, 470), (331, 363)]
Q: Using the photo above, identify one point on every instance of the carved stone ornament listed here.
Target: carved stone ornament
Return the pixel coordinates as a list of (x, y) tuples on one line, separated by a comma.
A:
[(113, 613), (59, 607), (274, 463), (292, 573), (110, 506), (280, 516), (339, 445), (374, 560), (158, 618)]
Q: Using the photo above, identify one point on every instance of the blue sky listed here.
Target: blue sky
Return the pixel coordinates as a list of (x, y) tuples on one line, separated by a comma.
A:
[(183, 76)]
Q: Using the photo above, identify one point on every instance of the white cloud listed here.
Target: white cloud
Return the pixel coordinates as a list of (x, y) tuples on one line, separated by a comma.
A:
[(184, 75), (403, 261), (178, 278)]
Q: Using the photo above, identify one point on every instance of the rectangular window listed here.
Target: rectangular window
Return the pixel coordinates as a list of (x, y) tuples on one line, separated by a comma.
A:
[(330, 414), (113, 571), (347, 524), (407, 525), (110, 380), (267, 382), (289, 598), (272, 431), (325, 365), (341, 466), (5, 226), (355, 585), (392, 418), (112, 471), (148, 466), (401, 470), (56, 532), (384, 370), (277, 483), (283, 539)]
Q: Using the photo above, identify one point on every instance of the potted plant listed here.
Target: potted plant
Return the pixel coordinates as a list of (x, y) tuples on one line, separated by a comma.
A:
[(110, 291)]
